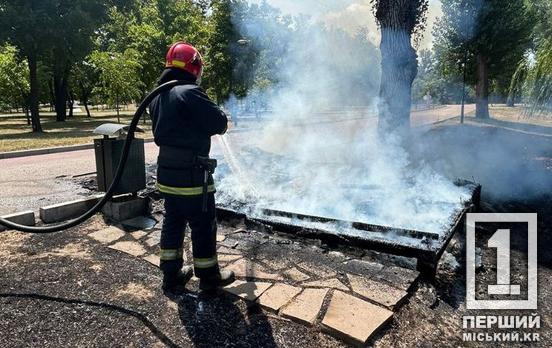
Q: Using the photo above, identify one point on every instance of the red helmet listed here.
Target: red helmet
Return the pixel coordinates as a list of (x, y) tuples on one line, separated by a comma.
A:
[(186, 57)]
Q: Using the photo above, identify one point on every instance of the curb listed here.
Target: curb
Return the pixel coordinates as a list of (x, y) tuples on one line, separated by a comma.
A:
[(121, 208), (67, 210), (50, 150), (26, 218)]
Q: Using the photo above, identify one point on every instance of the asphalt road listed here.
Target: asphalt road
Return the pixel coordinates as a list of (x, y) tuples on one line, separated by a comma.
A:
[(27, 183)]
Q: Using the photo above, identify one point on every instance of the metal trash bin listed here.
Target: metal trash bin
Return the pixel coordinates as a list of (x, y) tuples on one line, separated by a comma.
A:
[(108, 152)]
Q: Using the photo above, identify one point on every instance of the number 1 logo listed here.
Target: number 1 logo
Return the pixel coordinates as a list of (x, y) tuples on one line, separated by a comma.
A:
[(501, 242)]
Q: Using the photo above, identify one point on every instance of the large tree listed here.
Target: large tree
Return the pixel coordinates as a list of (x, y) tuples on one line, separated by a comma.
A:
[(398, 21), (26, 25), (489, 36), (149, 28), (73, 23), (533, 78), (118, 76), (83, 80), (14, 80), (220, 65), (430, 81), (55, 31)]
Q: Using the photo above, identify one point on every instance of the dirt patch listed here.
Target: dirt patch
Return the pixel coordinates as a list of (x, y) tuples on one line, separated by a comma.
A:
[(135, 291), (10, 245), (97, 267), (72, 250)]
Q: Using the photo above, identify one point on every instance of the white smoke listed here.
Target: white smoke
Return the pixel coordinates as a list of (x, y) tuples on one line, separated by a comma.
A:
[(351, 15), (317, 152)]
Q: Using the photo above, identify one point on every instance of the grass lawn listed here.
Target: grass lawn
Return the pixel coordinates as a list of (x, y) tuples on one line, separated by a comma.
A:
[(15, 134), (518, 114)]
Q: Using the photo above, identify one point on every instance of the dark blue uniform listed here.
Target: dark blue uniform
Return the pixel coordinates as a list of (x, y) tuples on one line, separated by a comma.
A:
[(184, 120)]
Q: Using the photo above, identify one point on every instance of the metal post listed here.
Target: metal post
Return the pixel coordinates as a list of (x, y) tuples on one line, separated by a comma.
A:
[(464, 87)]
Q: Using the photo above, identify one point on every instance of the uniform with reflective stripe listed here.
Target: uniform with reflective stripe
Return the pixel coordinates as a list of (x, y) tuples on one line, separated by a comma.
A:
[(171, 254), (205, 262), (183, 121), (184, 191)]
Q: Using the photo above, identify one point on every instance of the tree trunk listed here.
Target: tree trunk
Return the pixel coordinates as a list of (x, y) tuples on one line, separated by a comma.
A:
[(399, 64), (52, 96), (71, 103), (27, 115), (482, 88), (511, 101), (85, 103), (399, 68), (60, 95), (117, 107), (25, 105), (84, 95), (33, 95), (61, 76)]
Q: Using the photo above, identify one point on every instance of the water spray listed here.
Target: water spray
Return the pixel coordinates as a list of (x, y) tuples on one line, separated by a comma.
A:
[(236, 168)]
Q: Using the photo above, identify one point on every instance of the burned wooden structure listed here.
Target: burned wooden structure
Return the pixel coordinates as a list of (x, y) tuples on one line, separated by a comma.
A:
[(426, 247)]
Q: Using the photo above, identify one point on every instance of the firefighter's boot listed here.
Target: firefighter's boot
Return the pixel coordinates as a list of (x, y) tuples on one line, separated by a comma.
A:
[(175, 283), (218, 280)]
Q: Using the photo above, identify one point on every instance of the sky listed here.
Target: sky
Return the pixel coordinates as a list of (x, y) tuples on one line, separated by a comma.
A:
[(351, 15)]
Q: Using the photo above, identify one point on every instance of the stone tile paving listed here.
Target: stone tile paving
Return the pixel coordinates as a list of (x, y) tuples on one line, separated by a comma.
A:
[(229, 251), (249, 291), (353, 319), (295, 275), (244, 268), (277, 296), (153, 259), (228, 258), (335, 291), (306, 306), (139, 234), (328, 283), (317, 270), (132, 248), (379, 292), (107, 235)]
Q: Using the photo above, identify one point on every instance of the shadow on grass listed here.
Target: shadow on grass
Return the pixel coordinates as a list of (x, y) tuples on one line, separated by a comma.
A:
[(507, 159), (219, 322), (516, 126), (74, 128), (69, 134)]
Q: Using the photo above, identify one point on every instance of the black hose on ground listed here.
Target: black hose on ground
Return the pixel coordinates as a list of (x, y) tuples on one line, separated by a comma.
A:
[(106, 306), (122, 162)]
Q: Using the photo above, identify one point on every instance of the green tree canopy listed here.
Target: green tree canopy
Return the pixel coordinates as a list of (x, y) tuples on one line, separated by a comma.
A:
[(57, 32), (150, 28), (533, 77), (83, 80), (490, 36), (14, 79), (118, 76)]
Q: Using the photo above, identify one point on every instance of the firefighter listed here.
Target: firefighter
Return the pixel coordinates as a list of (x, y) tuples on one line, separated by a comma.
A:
[(184, 119)]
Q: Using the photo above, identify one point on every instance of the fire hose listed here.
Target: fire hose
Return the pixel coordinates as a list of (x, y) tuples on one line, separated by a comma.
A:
[(116, 179)]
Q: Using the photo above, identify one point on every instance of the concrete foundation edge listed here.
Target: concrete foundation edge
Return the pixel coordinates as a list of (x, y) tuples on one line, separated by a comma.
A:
[(26, 218)]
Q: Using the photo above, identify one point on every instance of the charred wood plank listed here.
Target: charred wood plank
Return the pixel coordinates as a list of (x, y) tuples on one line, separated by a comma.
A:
[(357, 225)]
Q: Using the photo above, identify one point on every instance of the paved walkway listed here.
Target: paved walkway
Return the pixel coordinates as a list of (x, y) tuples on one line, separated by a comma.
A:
[(290, 293), (348, 297)]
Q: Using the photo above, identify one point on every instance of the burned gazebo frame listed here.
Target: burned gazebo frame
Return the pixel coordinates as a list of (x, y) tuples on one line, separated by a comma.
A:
[(426, 247)]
